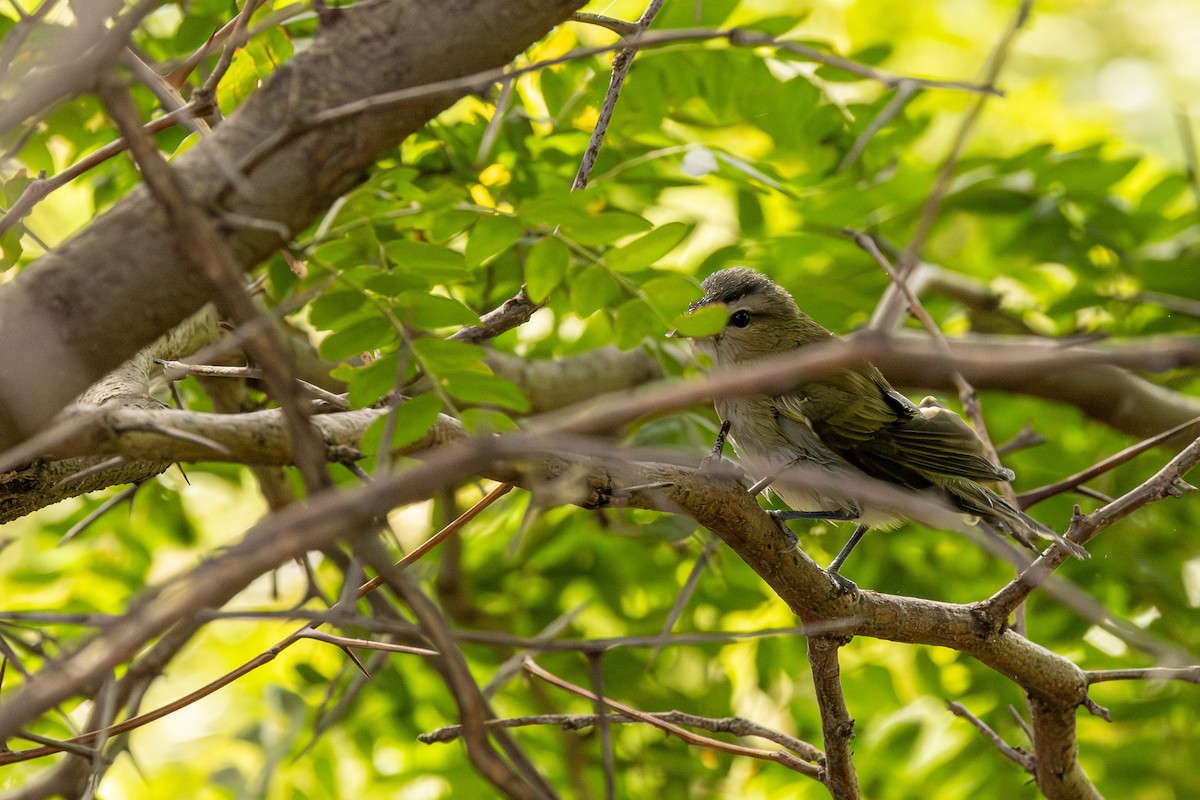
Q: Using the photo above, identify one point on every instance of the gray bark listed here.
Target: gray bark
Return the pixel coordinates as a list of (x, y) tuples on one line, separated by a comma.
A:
[(82, 310)]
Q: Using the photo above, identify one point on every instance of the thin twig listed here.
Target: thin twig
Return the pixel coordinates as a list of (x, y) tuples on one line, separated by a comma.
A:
[(904, 92), (1014, 754), (621, 64), (261, 659), (737, 726), (102, 509), (1188, 674), (1084, 528), (208, 90), (1027, 499), (36, 190), (596, 673), (1187, 139), (512, 665), (477, 80), (512, 313), (778, 756), (888, 312)]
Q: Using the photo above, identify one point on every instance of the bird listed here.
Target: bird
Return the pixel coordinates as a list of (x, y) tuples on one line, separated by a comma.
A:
[(846, 426)]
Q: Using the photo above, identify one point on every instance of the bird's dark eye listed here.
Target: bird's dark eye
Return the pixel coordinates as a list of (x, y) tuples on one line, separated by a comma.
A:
[(739, 319)]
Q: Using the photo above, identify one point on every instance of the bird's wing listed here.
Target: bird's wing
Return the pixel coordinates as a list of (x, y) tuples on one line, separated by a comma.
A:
[(937, 440), (859, 416)]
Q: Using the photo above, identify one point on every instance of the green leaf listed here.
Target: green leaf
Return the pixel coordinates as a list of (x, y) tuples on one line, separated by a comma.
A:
[(593, 289), (1158, 197), (333, 307), (491, 236), (487, 420), (645, 250), (703, 322), (368, 384), (634, 321), (429, 311), (605, 228), (361, 337), (430, 261), (484, 388), (545, 266), (413, 419), (239, 82), (445, 355), (669, 295), (390, 284)]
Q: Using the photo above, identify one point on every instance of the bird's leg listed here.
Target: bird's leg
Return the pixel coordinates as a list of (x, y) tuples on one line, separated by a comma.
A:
[(763, 483), (719, 442), (841, 515), (716, 464), (840, 559)]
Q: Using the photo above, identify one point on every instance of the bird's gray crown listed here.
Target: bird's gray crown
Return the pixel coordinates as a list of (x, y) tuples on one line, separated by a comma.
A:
[(730, 285)]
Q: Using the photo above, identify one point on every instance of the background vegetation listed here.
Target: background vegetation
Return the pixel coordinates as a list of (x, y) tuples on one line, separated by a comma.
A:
[(1065, 210)]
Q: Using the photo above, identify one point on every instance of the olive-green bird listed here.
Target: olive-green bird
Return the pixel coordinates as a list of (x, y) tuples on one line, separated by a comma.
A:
[(848, 424)]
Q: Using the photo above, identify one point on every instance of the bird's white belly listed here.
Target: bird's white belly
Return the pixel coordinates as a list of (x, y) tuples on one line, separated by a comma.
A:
[(807, 475)]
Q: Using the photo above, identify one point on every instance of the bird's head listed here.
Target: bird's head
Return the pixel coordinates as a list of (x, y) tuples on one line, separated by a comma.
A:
[(763, 317)]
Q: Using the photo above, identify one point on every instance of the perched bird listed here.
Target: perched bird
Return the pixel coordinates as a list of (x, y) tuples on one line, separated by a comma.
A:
[(846, 425)]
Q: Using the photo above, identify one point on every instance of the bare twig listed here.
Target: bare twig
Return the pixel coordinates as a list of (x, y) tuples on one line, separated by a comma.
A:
[(888, 312), (37, 190), (1187, 139), (261, 659), (512, 665), (77, 72), (904, 92), (1013, 754), (518, 780), (174, 370), (1188, 674), (1084, 528), (621, 64), (485, 78), (100, 510), (618, 26), (512, 313), (1027, 499), (736, 726), (778, 756), (209, 89)]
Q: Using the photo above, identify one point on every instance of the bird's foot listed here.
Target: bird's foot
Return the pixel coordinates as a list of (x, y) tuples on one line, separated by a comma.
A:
[(792, 539), (721, 468), (717, 465), (843, 584)]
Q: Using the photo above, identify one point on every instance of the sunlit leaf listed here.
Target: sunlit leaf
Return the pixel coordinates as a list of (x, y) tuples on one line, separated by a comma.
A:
[(545, 266), (490, 236), (646, 249)]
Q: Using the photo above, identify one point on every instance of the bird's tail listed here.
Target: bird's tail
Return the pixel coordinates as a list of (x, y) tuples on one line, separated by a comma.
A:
[(997, 512)]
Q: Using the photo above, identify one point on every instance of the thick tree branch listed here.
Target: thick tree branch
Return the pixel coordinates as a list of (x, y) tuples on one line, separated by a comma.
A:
[(81, 310)]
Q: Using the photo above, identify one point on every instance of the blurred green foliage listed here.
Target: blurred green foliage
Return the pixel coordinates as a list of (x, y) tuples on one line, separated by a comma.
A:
[(717, 155)]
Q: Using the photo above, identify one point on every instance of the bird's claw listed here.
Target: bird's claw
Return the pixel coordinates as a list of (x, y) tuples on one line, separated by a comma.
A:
[(792, 539), (843, 584), (721, 468)]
